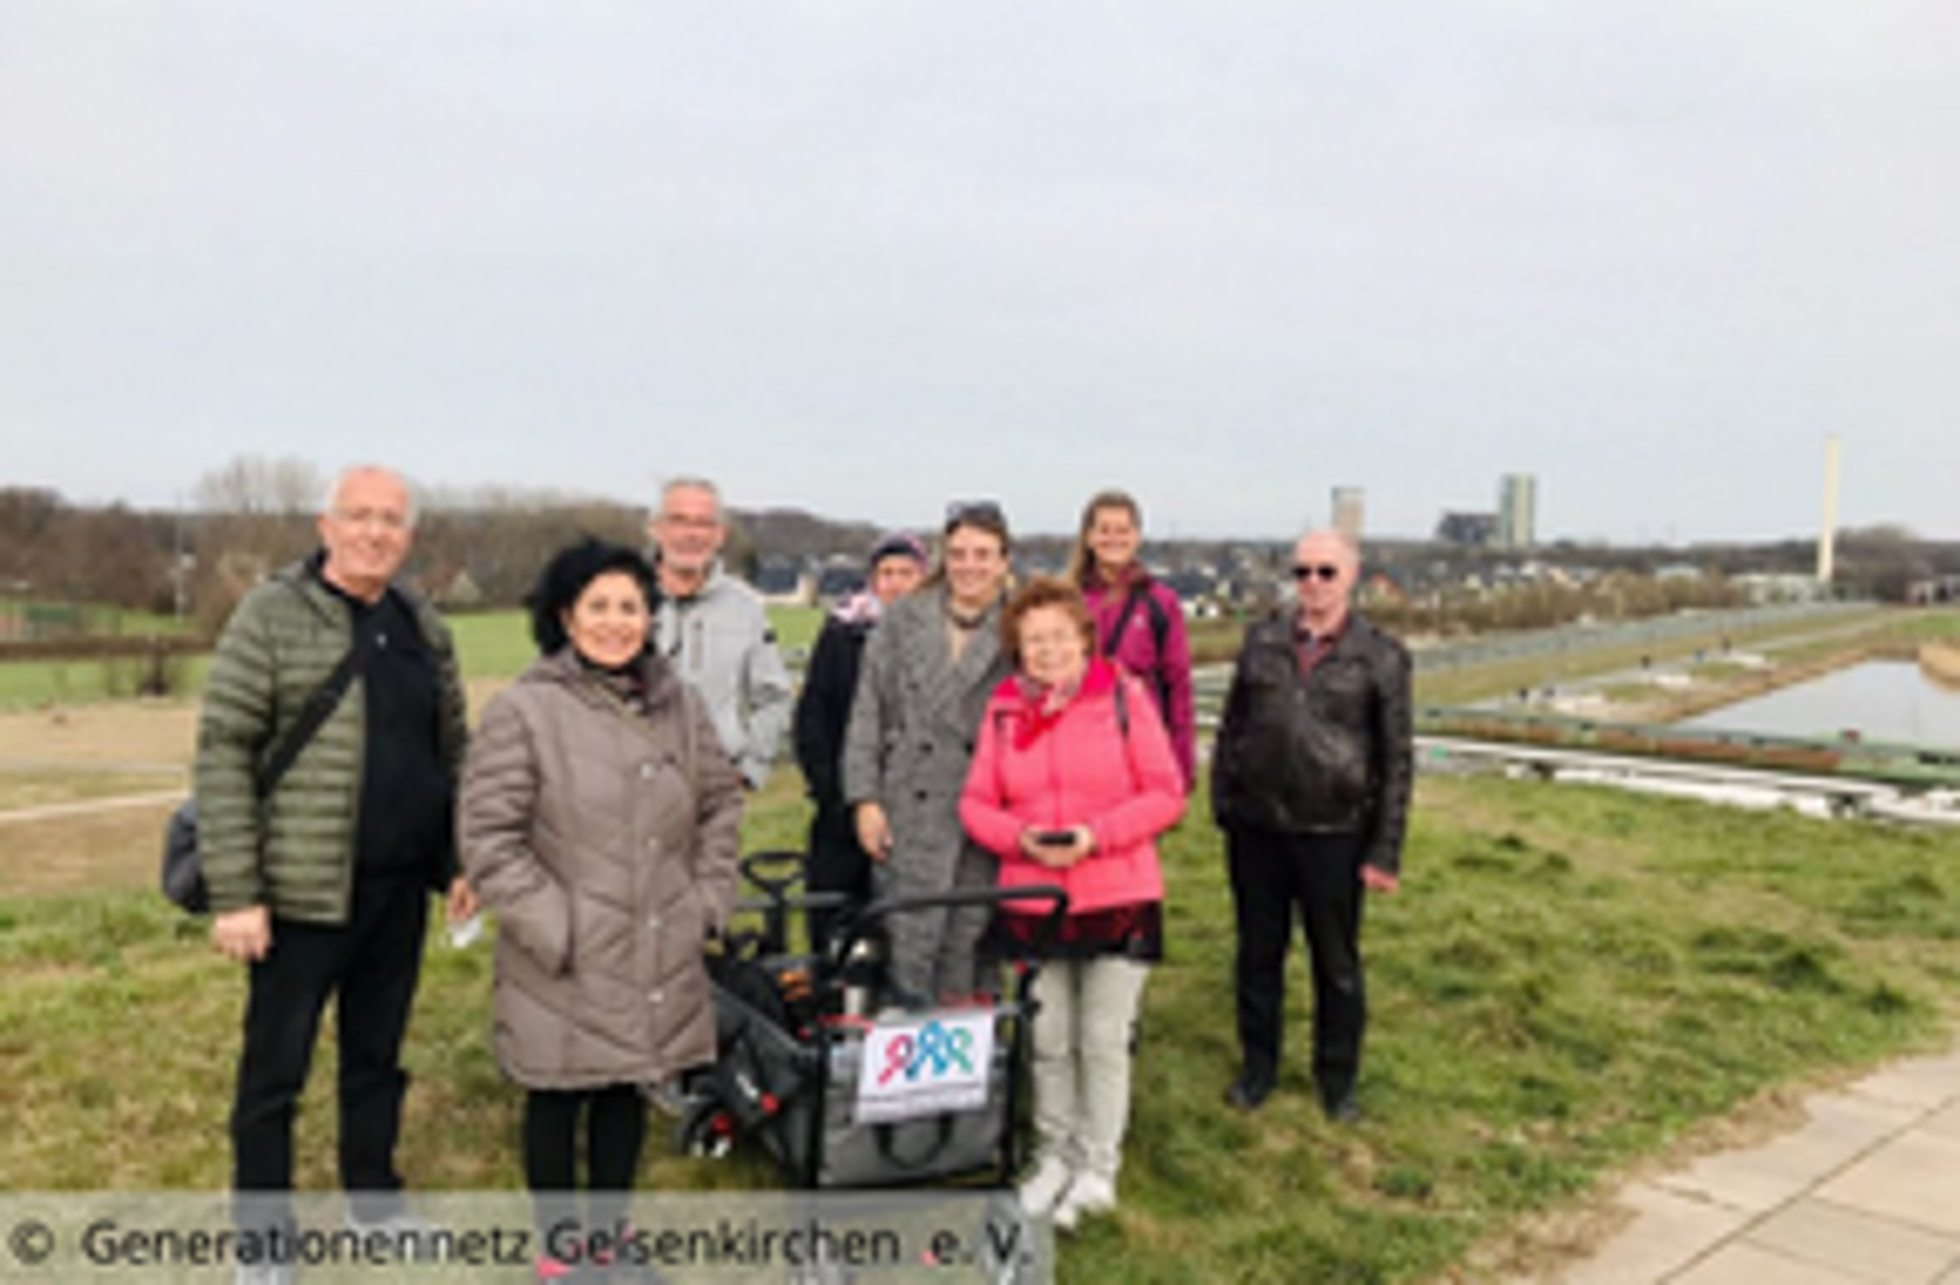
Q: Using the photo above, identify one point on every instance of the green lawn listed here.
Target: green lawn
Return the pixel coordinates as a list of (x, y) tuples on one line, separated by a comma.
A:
[(497, 644), (492, 644), (30, 683), (95, 619), (1571, 979)]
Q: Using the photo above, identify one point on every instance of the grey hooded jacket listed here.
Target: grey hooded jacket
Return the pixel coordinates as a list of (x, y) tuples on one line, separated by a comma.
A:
[(719, 640)]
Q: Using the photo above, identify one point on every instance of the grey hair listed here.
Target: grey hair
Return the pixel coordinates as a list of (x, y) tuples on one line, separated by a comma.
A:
[(686, 483), (332, 497)]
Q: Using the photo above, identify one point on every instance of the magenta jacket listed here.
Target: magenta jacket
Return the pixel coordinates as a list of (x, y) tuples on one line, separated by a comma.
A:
[(1166, 675), (1081, 768)]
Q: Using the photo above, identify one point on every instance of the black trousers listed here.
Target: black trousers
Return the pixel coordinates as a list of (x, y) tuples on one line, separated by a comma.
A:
[(837, 863), (1320, 875), (615, 1120), (369, 966)]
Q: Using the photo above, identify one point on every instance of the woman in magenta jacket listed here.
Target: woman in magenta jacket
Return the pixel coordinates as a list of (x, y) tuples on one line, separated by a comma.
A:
[(1072, 781), (1139, 621)]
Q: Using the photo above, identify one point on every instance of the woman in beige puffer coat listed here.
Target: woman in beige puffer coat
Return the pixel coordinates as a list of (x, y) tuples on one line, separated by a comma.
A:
[(600, 821)]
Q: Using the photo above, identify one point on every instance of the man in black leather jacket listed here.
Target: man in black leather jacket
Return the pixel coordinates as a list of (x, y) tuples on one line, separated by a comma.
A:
[(1310, 782)]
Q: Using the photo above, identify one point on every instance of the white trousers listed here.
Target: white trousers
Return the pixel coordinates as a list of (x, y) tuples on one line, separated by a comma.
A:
[(1082, 1060)]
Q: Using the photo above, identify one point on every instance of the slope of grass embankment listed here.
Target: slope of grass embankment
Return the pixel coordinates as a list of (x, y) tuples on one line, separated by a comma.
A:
[(1571, 980)]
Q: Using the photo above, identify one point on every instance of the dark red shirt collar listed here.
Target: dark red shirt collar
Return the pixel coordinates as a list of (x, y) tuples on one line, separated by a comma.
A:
[(1312, 648)]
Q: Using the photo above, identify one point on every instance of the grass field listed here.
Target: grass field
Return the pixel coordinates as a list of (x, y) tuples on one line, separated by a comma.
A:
[(1571, 980), (494, 644), (96, 619)]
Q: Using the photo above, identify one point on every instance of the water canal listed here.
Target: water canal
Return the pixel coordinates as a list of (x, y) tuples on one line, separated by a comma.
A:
[(1878, 700)]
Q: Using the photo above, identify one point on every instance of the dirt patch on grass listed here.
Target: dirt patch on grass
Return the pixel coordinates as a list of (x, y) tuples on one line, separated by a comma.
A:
[(119, 849), (160, 733), (1940, 661)]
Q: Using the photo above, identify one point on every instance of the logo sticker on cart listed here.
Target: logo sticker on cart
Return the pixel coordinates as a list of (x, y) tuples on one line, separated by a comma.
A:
[(924, 1066)]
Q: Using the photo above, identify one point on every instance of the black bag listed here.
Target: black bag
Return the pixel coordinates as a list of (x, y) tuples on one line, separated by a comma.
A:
[(183, 868), (183, 871)]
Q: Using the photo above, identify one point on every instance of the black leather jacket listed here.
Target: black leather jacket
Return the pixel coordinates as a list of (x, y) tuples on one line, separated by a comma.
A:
[(1330, 752)]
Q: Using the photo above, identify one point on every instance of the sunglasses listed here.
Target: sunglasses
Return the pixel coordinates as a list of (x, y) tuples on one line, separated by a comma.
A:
[(1325, 571), (984, 513)]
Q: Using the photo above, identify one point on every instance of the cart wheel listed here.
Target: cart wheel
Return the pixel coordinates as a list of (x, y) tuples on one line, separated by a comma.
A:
[(706, 1131)]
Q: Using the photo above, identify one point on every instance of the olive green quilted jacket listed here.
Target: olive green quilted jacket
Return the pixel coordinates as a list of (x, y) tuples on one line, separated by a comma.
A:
[(296, 853)]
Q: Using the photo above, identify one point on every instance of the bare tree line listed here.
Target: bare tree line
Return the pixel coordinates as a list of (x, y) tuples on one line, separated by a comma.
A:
[(477, 546), (481, 546)]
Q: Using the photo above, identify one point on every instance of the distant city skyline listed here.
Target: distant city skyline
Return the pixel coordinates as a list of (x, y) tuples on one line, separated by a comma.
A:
[(861, 259)]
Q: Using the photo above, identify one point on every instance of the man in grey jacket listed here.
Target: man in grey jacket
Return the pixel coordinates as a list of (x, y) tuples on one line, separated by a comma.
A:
[(323, 888), (714, 630)]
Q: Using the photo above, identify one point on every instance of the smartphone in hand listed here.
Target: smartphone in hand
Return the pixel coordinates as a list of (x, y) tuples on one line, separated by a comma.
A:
[(1054, 838)]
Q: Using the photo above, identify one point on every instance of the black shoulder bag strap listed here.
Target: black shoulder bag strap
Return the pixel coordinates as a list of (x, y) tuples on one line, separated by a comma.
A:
[(312, 716)]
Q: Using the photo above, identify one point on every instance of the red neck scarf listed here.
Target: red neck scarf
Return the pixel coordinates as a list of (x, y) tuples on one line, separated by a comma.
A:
[(1042, 706)]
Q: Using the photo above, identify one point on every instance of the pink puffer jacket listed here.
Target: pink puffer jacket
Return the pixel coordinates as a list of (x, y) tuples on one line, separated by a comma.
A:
[(1082, 768)]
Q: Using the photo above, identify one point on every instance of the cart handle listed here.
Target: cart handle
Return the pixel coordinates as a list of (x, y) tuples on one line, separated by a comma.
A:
[(854, 928)]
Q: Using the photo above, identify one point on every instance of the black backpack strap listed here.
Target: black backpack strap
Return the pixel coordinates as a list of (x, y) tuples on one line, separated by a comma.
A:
[(1115, 636), (1160, 620), (312, 716), (1160, 631)]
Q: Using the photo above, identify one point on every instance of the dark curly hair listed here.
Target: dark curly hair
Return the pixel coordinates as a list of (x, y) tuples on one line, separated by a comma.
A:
[(565, 577)]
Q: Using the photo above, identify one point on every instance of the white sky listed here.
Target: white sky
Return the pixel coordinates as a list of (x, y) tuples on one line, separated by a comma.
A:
[(863, 256)]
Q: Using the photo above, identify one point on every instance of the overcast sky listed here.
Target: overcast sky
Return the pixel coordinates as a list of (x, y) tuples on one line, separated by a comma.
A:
[(861, 256)]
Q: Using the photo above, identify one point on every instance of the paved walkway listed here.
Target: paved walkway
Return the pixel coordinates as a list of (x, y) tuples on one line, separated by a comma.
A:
[(91, 807), (1867, 1191)]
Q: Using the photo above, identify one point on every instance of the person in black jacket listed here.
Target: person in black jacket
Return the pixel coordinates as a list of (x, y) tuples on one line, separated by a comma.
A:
[(837, 863), (1310, 782)]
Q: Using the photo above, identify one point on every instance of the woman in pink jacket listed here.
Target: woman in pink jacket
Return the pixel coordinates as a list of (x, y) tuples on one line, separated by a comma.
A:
[(1139, 620), (1072, 781)]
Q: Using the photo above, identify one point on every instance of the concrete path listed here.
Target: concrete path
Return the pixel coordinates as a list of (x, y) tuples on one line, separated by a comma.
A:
[(91, 807), (1867, 1191)]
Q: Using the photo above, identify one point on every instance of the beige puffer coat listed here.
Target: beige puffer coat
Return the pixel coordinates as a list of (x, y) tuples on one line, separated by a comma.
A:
[(605, 838)]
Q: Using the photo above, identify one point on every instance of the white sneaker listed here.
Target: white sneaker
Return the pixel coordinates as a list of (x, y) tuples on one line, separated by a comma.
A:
[(1039, 1193), (1088, 1194)]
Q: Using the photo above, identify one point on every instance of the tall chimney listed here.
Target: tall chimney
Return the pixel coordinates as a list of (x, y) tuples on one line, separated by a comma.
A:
[(1827, 538)]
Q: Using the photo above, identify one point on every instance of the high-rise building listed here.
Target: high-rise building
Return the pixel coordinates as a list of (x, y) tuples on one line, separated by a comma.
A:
[(1350, 511), (1517, 511)]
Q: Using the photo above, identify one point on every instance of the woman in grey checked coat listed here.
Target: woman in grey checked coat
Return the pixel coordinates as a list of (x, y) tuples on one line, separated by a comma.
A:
[(928, 671)]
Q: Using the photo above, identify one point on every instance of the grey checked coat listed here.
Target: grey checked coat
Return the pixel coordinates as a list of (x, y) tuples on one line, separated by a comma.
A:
[(914, 722)]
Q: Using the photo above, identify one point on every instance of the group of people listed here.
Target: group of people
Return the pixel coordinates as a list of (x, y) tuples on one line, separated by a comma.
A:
[(955, 730)]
